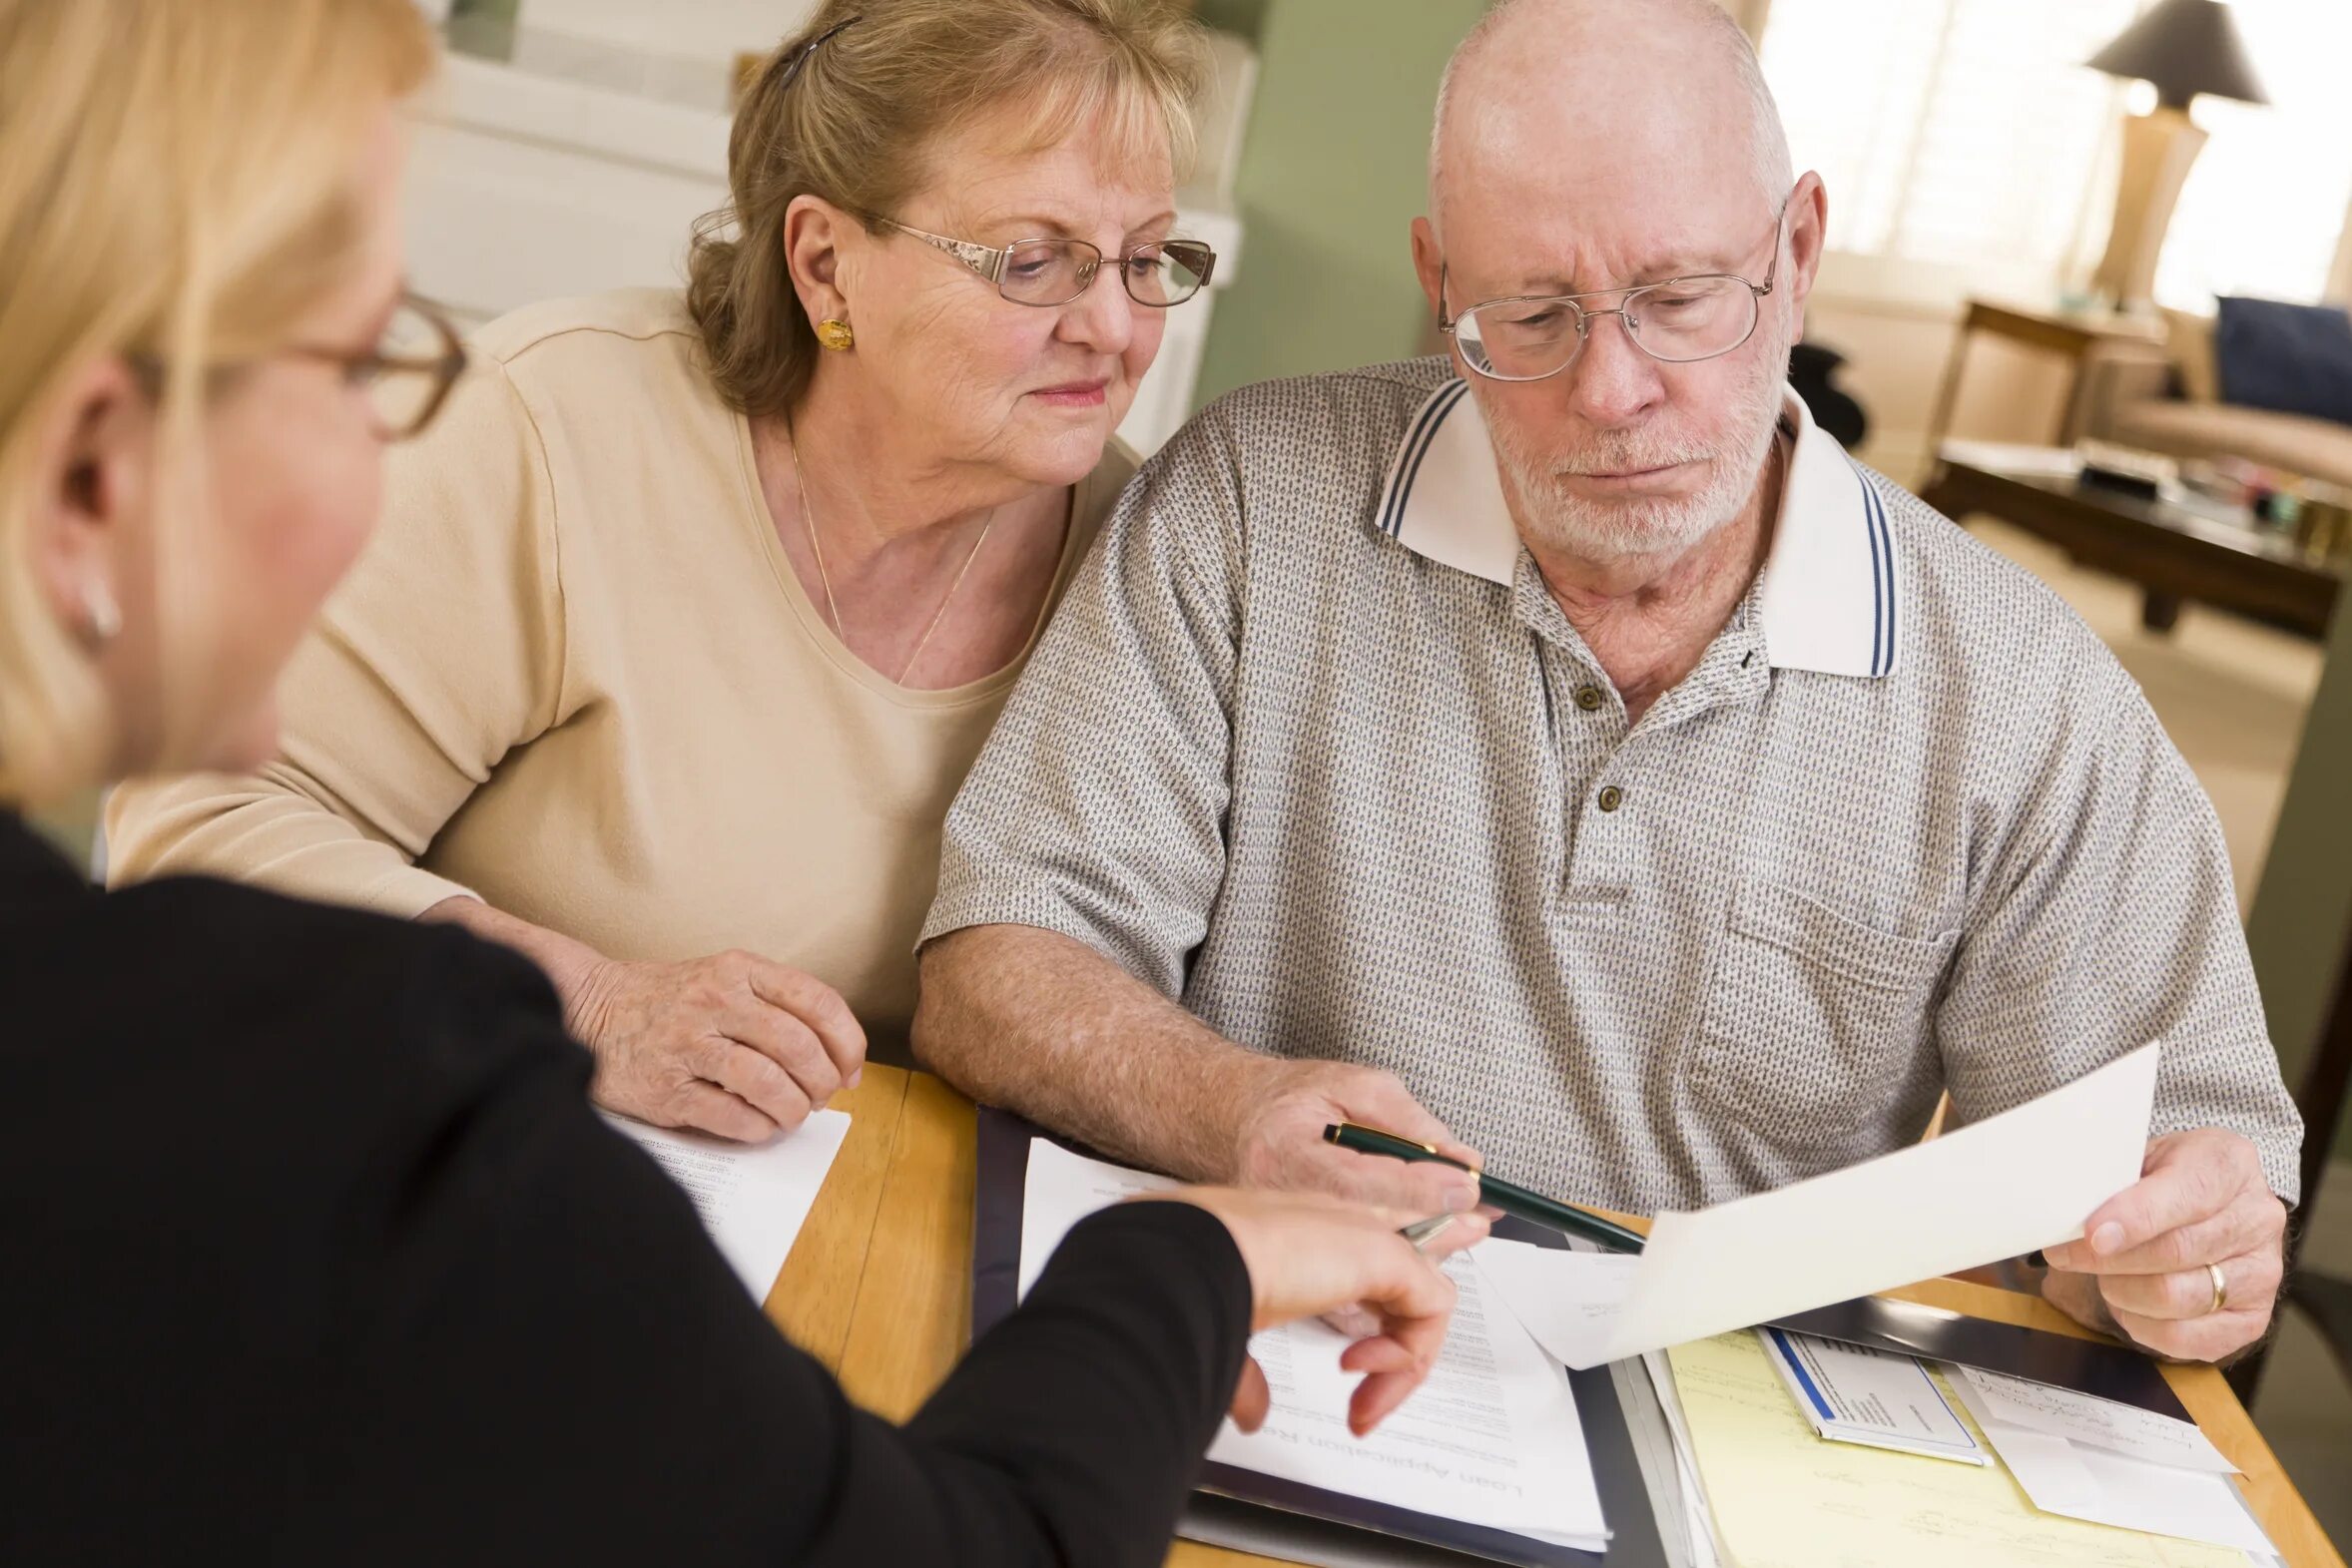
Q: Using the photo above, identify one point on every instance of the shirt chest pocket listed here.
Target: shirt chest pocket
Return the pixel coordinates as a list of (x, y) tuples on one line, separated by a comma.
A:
[(1812, 1019)]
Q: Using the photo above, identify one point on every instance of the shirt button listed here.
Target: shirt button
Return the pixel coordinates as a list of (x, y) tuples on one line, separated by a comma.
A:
[(1612, 798), (1588, 697)]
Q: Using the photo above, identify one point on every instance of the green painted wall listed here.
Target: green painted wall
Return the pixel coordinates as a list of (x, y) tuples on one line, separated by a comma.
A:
[(1246, 17), (1333, 175), (2302, 913)]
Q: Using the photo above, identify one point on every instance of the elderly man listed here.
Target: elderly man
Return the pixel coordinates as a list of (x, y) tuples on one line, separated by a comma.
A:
[(1564, 745)]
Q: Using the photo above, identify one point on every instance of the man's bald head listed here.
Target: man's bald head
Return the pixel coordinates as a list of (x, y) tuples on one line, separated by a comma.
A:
[(1601, 78), (1586, 148)]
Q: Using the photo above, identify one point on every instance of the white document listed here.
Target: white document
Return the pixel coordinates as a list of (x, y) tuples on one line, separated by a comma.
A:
[(1705, 1550), (2119, 1429), (1571, 1301), (1851, 1394), (2083, 1482), (1491, 1438), (2028, 1178), (751, 1198), (1063, 1188)]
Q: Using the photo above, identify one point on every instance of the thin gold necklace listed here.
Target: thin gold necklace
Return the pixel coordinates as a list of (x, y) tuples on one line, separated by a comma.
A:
[(817, 548)]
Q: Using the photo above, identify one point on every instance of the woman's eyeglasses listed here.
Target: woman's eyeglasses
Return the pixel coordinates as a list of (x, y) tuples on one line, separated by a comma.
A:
[(407, 371), (1049, 273)]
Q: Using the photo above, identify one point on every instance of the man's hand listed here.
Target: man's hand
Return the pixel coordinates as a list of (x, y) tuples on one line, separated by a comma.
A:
[(1280, 1142), (2145, 1265)]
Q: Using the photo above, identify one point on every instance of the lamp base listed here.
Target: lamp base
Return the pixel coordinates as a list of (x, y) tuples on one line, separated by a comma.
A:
[(2159, 147)]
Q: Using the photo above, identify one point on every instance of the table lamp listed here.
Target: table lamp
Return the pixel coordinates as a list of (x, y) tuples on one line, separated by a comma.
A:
[(2183, 48)]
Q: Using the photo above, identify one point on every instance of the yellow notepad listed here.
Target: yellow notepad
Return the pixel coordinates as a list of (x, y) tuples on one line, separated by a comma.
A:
[(1784, 1498)]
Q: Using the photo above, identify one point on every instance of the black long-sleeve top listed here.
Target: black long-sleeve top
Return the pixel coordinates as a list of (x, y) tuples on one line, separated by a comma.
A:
[(312, 1251)]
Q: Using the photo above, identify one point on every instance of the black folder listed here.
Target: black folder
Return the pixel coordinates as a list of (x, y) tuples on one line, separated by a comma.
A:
[(1624, 1499)]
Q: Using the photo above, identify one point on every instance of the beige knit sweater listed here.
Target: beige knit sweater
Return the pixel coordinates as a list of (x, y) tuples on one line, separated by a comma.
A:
[(576, 675)]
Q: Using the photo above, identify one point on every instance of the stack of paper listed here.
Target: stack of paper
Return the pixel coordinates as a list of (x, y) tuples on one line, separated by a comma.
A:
[(1776, 1493), (2091, 1459), (1491, 1440), (751, 1198), (1704, 1549), (1749, 1413)]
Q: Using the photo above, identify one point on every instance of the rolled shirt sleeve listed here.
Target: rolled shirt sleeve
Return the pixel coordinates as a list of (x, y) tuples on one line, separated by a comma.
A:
[(1098, 809), (2107, 921)]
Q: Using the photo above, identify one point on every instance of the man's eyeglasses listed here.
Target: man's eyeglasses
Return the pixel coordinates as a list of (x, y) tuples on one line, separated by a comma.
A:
[(1049, 273), (1681, 321), (407, 371)]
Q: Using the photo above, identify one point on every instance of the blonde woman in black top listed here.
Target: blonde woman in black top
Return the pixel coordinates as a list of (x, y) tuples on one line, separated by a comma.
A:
[(314, 1250)]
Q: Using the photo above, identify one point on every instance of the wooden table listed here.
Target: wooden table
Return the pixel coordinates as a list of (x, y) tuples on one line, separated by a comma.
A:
[(2172, 551), (2072, 333), (878, 1288)]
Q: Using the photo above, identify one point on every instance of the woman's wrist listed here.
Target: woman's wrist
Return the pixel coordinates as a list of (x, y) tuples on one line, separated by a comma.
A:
[(571, 967)]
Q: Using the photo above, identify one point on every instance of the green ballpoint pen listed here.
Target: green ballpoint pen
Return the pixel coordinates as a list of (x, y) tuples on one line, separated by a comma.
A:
[(1509, 1196)]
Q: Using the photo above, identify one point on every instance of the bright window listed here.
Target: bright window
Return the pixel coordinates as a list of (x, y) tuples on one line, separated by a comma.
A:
[(2264, 210), (1966, 134)]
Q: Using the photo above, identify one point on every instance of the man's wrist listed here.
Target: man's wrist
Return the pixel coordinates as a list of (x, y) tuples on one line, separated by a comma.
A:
[(1229, 1085)]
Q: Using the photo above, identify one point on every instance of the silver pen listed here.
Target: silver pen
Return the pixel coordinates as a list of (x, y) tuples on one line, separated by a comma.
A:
[(1423, 1232)]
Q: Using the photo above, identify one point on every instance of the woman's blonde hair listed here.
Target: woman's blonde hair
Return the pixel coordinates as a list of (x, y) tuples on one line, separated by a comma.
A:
[(852, 120), (175, 187)]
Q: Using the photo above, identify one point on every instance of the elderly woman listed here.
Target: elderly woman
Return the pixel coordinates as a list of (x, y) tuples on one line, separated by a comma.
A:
[(692, 610), (317, 1252)]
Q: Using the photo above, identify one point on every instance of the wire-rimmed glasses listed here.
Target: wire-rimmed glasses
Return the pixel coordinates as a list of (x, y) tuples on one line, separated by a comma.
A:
[(1678, 321), (1046, 273)]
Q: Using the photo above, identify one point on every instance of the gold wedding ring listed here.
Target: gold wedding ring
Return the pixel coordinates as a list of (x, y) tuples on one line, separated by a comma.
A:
[(2221, 1289)]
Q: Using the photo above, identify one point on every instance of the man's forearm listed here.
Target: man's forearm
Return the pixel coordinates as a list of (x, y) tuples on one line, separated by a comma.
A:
[(1040, 1024)]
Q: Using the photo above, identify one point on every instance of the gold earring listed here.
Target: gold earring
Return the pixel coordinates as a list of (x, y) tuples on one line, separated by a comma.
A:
[(834, 335)]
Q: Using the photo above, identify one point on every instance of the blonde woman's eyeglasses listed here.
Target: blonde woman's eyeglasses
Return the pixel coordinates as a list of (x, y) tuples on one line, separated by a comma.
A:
[(407, 371)]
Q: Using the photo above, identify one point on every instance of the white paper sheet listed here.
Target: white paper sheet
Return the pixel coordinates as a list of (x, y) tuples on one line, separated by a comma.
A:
[(1705, 1550), (2083, 1482), (2121, 1428), (1060, 1190), (2025, 1178), (751, 1198), (1571, 1301), (1491, 1438)]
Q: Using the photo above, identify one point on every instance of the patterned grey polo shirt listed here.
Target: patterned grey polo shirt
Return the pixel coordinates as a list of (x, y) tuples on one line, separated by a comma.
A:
[(1314, 751)]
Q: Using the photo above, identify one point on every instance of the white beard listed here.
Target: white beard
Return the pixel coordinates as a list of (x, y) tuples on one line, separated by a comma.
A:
[(1590, 530)]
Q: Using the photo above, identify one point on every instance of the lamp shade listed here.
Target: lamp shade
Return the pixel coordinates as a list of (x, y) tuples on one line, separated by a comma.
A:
[(2184, 47)]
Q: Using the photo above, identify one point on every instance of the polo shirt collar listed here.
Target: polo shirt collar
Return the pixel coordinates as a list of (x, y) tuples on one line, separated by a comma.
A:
[(1830, 592)]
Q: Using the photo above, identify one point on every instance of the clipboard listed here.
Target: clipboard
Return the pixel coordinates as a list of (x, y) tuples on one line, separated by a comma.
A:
[(1230, 1498)]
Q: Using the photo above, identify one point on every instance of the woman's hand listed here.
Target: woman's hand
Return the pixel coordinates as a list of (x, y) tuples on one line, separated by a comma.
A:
[(732, 1044), (1309, 1255)]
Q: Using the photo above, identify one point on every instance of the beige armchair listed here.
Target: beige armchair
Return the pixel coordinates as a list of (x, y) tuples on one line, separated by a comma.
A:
[(2170, 401)]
